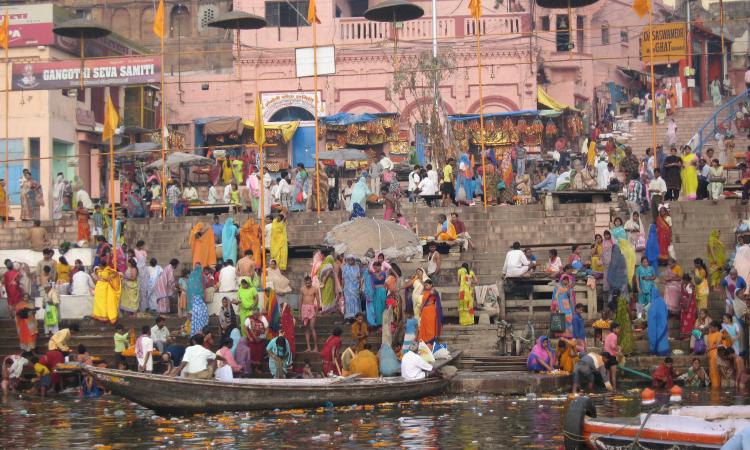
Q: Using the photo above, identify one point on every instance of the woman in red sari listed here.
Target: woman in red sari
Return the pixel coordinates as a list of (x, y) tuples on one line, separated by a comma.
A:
[(431, 315), (256, 336), (330, 353), (688, 307), (12, 282), (287, 325), (664, 234)]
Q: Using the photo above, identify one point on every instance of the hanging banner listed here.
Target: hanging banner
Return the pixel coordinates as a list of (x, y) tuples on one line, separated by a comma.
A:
[(132, 70), (669, 43)]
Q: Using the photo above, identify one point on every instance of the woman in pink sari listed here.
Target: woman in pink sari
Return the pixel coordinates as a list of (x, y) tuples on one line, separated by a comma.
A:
[(688, 307), (607, 244), (664, 233), (672, 276)]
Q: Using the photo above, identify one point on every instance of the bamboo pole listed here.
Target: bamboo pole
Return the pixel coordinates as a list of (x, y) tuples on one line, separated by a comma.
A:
[(163, 139), (653, 88), (481, 110), (7, 126), (112, 196), (262, 214), (315, 96)]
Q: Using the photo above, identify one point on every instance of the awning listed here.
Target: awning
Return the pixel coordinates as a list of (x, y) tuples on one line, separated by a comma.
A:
[(220, 125), (634, 74), (543, 98), (345, 118), (523, 112), (287, 128)]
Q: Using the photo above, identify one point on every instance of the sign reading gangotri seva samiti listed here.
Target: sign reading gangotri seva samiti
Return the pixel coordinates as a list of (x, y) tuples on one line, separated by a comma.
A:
[(670, 42), (131, 70)]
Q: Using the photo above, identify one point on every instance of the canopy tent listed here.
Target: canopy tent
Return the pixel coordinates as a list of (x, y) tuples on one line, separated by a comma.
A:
[(545, 100), (220, 125), (287, 129), (346, 118), (523, 112), (344, 154)]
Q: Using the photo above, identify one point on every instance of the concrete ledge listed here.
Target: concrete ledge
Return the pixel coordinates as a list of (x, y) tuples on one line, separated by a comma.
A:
[(508, 383)]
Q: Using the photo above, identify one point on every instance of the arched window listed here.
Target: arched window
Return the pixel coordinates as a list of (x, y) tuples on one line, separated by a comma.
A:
[(179, 21), (605, 33), (291, 113), (121, 22)]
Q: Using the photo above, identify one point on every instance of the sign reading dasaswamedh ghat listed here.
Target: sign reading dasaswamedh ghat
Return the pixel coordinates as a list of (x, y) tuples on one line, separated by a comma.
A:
[(669, 42), (96, 72)]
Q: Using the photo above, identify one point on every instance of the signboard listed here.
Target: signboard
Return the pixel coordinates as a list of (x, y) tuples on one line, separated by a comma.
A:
[(273, 102), (97, 72), (30, 25), (306, 64), (669, 42)]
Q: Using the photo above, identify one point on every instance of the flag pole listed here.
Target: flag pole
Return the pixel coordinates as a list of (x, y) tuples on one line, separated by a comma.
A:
[(653, 88), (481, 109), (163, 137), (7, 125), (315, 101), (262, 215), (112, 191)]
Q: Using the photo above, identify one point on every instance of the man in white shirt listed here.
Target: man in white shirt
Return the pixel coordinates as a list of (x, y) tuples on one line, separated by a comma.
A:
[(144, 347), (284, 191), (195, 361), (228, 277), (602, 173), (516, 264), (427, 187), (269, 227), (657, 188), (413, 367), (81, 284), (190, 193), (160, 334), (432, 174), (413, 183)]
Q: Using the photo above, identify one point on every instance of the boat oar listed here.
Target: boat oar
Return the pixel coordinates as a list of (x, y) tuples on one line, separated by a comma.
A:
[(635, 372)]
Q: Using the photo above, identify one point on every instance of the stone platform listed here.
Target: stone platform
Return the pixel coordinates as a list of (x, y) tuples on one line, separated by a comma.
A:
[(508, 383)]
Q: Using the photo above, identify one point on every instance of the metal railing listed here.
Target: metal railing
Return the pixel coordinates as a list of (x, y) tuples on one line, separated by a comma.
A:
[(719, 118)]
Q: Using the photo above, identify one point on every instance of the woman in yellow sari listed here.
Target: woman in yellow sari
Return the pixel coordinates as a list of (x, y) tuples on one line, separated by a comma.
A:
[(466, 281), (279, 249), (596, 254), (717, 258), (689, 174), (203, 245), (226, 170), (106, 294), (567, 356), (445, 229), (250, 240), (3, 200)]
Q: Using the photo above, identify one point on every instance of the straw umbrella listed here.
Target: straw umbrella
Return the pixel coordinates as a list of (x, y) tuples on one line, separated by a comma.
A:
[(81, 29)]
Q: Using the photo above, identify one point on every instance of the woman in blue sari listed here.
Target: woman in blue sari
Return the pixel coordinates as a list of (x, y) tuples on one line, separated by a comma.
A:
[(658, 329), (229, 241), (360, 191), (279, 356), (367, 289), (195, 293), (644, 276), (563, 300), (652, 247), (376, 307), (298, 191), (352, 285), (618, 232)]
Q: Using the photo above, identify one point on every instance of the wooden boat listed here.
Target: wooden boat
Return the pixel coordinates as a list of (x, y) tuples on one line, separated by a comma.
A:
[(166, 394), (692, 427)]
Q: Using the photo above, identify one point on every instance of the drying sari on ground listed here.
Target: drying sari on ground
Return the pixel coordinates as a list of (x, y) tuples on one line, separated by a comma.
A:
[(664, 235), (465, 297), (688, 310), (672, 288), (107, 295), (352, 287), (279, 249), (203, 245), (564, 302), (327, 287), (250, 240), (689, 175), (229, 241), (622, 317), (717, 258), (658, 326), (431, 317), (195, 293)]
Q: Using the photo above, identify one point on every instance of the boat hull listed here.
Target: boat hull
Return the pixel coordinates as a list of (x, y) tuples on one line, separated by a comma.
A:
[(175, 395)]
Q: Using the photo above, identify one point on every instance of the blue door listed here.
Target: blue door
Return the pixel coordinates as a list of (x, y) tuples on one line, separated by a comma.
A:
[(303, 146)]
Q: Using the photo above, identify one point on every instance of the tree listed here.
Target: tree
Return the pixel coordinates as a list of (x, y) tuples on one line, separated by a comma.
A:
[(417, 78)]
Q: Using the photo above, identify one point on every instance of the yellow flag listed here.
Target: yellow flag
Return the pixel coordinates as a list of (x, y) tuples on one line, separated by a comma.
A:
[(111, 120), (312, 13), (4, 35), (259, 130), (641, 7), (475, 8), (159, 21)]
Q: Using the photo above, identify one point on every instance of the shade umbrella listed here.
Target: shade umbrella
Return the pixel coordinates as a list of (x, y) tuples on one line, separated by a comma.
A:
[(344, 154), (179, 159), (238, 20), (81, 29), (358, 236)]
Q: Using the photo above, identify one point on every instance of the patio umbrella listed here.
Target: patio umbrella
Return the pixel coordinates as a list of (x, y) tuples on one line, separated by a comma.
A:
[(180, 159), (344, 154), (358, 236), (81, 29)]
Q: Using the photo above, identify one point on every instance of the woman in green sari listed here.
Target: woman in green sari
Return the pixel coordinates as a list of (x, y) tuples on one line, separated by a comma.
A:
[(717, 258), (622, 317), (327, 285), (247, 299)]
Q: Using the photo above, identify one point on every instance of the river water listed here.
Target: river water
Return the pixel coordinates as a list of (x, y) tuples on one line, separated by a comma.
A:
[(465, 422)]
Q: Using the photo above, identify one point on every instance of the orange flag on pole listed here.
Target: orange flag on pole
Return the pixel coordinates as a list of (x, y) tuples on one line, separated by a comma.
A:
[(475, 8), (111, 120), (159, 21), (4, 32), (641, 7), (312, 13)]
